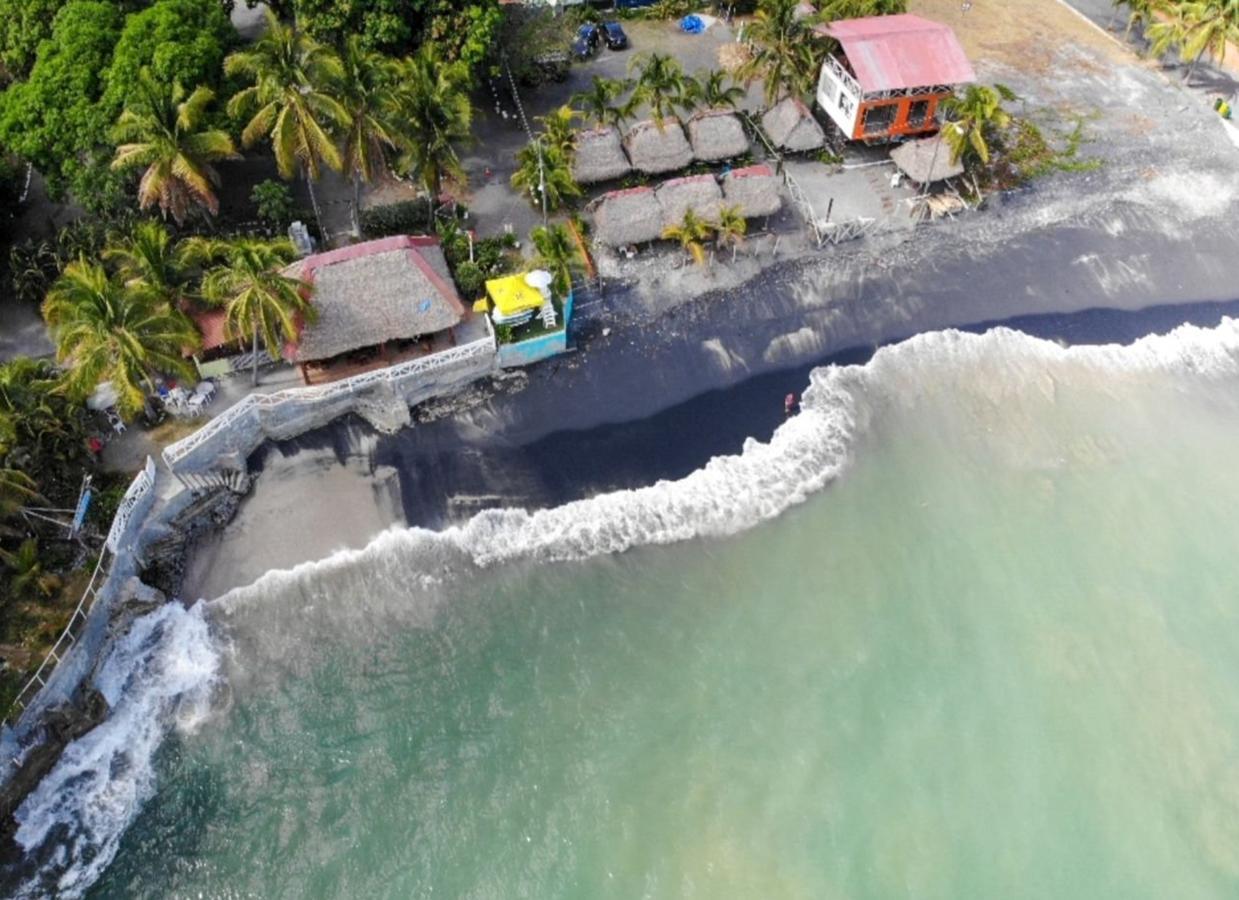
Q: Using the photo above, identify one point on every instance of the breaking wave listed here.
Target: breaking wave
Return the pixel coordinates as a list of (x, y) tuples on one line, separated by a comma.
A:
[(162, 674)]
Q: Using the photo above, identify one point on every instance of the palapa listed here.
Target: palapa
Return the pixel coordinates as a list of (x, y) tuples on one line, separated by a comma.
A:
[(700, 193), (631, 216), (790, 126), (599, 156), (653, 151), (926, 161), (394, 288), (717, 134), (755, 189)]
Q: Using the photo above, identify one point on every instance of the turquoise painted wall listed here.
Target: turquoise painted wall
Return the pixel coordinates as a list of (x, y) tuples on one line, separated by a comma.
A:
[(531, 351)]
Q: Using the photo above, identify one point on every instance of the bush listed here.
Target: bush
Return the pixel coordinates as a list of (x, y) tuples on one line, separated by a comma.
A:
[(273, 204), (405, 217), (470, 280)]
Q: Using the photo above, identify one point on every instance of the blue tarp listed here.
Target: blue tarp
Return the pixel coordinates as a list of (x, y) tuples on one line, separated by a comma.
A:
[(692, 24)]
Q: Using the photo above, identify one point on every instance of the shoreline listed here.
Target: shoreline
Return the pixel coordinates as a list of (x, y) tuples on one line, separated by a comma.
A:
[(658, 397)]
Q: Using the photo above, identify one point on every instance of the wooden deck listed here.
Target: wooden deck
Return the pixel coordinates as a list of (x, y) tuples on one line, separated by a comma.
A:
[(334, 370)]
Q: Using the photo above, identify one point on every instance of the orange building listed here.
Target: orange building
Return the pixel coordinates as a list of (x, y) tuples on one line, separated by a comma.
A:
[(889, 75)]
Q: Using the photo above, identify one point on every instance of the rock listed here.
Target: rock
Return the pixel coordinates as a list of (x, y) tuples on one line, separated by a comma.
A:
[(60, 726), (136, 599)]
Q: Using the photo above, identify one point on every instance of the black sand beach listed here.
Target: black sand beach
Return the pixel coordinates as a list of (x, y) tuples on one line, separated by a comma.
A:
[(645, 399)]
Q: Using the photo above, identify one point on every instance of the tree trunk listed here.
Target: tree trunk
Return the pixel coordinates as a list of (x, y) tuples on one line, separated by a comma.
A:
[(318, 215), (255, 355), (356, 205), (435, 187), (1192, 68)]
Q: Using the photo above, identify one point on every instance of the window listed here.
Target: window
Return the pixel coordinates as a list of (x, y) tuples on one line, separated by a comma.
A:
[(918, 113), (879, 119)]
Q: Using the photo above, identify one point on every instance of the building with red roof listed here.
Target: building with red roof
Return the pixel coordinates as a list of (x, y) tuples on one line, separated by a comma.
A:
[(890, 75)]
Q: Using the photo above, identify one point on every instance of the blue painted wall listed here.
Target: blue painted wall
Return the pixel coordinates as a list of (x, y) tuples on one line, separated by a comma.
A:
[(531, 351)]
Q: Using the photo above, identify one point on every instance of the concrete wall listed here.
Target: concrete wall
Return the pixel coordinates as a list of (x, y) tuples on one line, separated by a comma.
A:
[(525, 352)]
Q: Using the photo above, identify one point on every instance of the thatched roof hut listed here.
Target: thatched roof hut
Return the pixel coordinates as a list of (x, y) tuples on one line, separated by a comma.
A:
[(700, 193), (599, 156), (395, 288), (926, 161), (790, 126), (653, 151), (754, 189), (631, 216), (717, 134)]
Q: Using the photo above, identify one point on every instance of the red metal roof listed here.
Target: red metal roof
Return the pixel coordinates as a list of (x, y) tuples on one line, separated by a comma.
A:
[(891, 53)]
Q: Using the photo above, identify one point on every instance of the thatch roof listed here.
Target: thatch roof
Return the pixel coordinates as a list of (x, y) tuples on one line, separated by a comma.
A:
[(599, 156), (631, 216), (394, 288), (717, 134), (700, 193), (926, 161), (790, 126), (653, 151), (754, 189)]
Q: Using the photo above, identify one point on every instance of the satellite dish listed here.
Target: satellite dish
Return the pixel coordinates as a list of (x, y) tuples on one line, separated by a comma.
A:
[(539, 278)]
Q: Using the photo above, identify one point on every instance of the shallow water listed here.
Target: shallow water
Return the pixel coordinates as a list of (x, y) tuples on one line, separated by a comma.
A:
[(996, 656)]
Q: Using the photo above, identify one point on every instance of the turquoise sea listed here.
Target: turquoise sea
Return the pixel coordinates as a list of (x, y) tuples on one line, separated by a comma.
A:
[(967, 626)]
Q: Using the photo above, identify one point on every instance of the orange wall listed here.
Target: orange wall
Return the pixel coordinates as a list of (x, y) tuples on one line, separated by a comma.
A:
[(900, 126)]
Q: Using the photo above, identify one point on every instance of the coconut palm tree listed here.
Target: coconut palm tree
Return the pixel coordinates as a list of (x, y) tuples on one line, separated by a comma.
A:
[(541, 167), (248, 282), (28, 578), (730, 229), (558, 253), (597, 103), (367, 89), (691, 234), (17, 489), (715, 92), (162, 129), (290, 101), (1195, 28), (105, 331), (38, 421), (785, 51), (149, 260), (557, 130), (432, 102), (1140, 12), (661, 85), (974, 116)]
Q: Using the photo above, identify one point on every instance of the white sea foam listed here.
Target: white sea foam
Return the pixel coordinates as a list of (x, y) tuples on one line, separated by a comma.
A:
[(161, 674)]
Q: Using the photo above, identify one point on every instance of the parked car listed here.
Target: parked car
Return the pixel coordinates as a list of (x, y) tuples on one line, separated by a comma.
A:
[(613, 34), (588, 39)]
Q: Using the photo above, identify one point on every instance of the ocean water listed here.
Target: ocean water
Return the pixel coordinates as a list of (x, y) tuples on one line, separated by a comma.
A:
[(967, 626)]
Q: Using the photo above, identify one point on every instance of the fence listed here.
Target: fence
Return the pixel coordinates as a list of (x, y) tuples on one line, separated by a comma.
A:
[(246, 424), (132, 507)]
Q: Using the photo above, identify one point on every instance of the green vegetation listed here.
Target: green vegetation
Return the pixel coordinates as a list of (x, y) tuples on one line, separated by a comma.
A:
[(1190, 28), (691, 234), (973, 118), (273, 204), (559, 254)]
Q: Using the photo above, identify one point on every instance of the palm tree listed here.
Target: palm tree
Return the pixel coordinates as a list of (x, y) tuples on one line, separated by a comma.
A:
[(661, 85), (540, 167), (785, 51), (432, 103), (714, 92), (557, 131), (16, 490), (163, 130), (248, 281), (366, 92), (104, 331), (148, 260), (558, 253), (691, 234), (290, 102), (1140, 12), (28, 578), (974, 117), (731, 228), (1196, 28), (596, 104)]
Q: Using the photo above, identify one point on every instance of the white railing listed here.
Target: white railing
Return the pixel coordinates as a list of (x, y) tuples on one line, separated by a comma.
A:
[(175, 453), (138, 491), (844, 76)]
